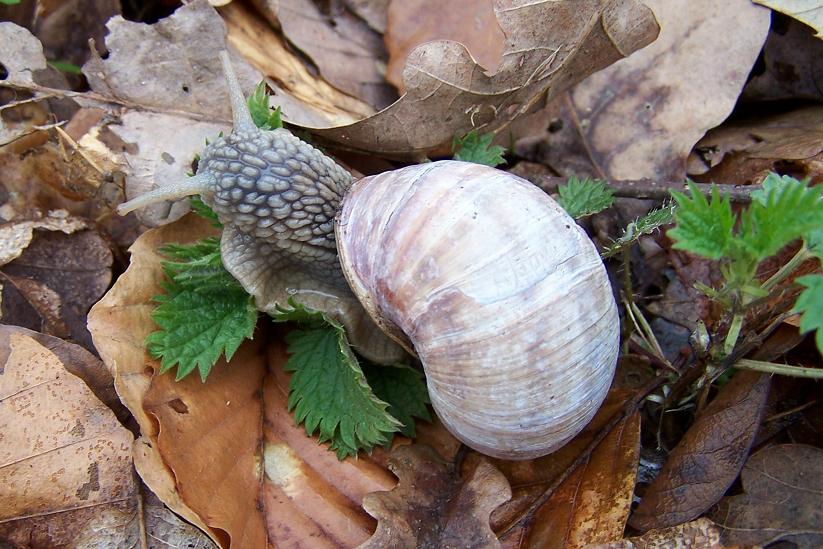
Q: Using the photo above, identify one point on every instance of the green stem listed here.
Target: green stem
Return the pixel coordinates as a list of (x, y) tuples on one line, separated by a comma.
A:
[(802, 255), (733, 334), (782, 369)]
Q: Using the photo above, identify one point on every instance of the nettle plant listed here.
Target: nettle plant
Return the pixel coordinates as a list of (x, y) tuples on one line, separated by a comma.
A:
[(204, 313)]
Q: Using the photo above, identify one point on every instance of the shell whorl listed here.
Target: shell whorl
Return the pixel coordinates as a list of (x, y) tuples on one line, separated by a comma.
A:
[(503, 297)]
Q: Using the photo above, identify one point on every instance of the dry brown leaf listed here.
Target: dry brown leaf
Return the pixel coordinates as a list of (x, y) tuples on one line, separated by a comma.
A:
[(809, 12), (593, 504), (708, 458), (65, 461), (550, 45), (16, 236), (21, 54), (373, 12), (793, 64), (161, 150), (76, 360), (119, 323), (432, 506), (414, 22), (164, 529), (170, 66), (783, 499), (747, 150), (641, 116), (347, 52), (233, 432), (305, 99), (57, 278), (698, 534)]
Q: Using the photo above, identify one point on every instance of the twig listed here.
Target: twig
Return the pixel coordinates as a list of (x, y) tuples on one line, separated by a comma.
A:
[(628, 410), (647, 188)]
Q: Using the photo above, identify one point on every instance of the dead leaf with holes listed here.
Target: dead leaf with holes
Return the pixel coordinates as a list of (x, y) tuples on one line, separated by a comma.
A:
[(638, 118), (782, 502), (65, 461), (709, 456), (433, 505)]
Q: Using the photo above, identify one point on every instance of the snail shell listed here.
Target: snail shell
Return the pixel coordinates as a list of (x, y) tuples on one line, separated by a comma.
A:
[(497, 290)]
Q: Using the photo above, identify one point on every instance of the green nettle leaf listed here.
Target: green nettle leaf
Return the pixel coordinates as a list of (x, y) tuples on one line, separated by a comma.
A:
[(200, 208), (703, 227), (204, 314), (814, 242), (647, 224), (263, 117), (476, 148), (330, 395), (810, 303), (581, 198), (10, 2), (784, 210), (404, 388), (196, 328)]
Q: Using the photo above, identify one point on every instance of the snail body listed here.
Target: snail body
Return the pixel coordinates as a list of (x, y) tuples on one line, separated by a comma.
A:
[(480, 274)]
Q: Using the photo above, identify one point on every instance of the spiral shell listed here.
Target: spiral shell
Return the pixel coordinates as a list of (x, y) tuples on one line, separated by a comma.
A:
[(497, 290)]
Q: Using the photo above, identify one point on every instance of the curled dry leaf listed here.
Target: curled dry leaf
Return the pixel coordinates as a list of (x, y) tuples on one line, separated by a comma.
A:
[(347, 52), (782, 501), (809, 12), (276, 485), (16, 236), (698, 534), (471, 22), (65, 461), (709, 456), (629, 121), (593, 502), (549, 46), (748, 150), (432, 506)]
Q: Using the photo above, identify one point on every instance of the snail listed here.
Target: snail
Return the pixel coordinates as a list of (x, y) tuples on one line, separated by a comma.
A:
[(481, 275)]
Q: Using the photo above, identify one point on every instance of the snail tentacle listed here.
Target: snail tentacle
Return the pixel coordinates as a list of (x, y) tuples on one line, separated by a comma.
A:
[(190, 186)]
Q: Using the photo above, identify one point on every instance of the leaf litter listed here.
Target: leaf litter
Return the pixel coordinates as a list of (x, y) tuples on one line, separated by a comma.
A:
[(282, 484)]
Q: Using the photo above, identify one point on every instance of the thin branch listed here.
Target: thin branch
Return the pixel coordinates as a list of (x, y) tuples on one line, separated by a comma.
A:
[(647, 188), (42, 93)]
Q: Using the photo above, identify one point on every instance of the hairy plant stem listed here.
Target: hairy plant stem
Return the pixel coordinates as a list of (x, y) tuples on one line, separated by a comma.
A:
[(786, 270), (650, 189), (781, 369)]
